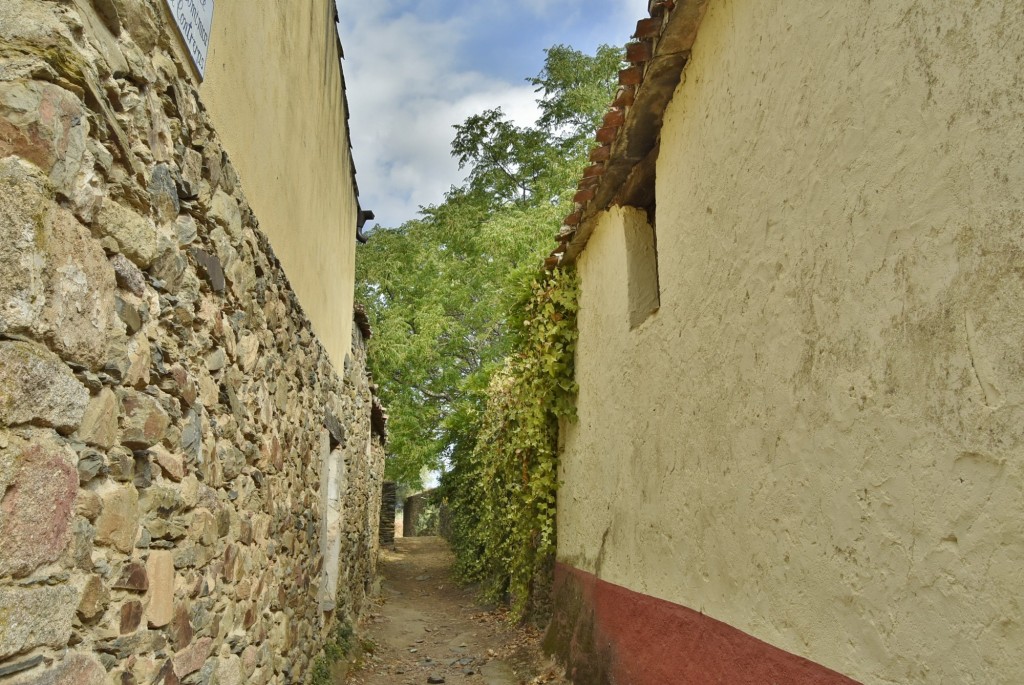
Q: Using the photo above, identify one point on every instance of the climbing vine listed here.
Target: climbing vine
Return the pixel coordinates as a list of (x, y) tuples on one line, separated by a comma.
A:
[(502, 495), (436, 288)]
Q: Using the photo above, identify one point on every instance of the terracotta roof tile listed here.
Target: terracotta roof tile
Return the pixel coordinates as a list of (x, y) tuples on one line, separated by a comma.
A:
[(625, 97), (659, 7), (639, 52), (615, 117), (631, 77), (584, 196), (607, 134), (573, 219), (600, 154), (648, 28), (657, 56)]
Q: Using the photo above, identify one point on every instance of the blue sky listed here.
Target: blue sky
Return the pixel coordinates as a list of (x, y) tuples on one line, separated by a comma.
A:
[(415, 68)]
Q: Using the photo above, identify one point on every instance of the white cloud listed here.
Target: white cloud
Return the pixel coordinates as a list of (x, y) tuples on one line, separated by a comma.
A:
[(406, 92), (409, 84)]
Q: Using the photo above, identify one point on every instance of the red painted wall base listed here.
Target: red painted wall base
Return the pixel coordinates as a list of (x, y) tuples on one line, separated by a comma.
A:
[(608, 635)]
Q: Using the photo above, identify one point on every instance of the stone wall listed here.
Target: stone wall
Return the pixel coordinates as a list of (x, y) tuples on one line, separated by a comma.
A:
[(167, 418), (412, 512), (263, 92), (387, 514), (423, 514)]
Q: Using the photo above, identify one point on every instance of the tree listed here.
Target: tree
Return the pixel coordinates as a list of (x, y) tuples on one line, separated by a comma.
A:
[(440, 288), (576, 89), (506, 160)]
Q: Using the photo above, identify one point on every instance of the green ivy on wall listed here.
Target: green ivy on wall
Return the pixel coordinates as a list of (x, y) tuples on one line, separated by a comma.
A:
[(503, 495)]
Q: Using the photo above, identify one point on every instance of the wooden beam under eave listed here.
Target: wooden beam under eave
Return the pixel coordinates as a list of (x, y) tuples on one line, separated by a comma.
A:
[(641, 130), (683, 25), (638, 188)]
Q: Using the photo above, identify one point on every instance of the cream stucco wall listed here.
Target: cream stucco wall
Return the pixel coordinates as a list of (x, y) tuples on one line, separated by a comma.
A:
[(819, 437), (274, 92)]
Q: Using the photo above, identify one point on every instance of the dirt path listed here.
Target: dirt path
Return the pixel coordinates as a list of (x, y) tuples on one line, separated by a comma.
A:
[(427, 629)]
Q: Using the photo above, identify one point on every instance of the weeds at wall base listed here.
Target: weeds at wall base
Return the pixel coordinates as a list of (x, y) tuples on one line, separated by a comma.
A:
[(342, 652)]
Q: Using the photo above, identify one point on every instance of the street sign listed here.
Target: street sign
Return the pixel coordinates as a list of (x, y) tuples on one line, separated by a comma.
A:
[(194, 19)]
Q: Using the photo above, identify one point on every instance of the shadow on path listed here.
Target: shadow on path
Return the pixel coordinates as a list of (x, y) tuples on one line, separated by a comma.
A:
[(426, 629)]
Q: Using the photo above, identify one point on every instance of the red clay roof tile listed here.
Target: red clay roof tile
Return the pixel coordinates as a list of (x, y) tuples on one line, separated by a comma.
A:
[(639, 52), (615, 117), (631, 77), (649, 31), (583, 196), (625, 97), (600, 154), (648, 28)]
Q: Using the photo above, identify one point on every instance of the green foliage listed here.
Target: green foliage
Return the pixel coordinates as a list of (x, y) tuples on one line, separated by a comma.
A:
[(440, 289), (473, 350), (321, 674), (576, 90), (506, 161), (339, 647), (438, 294), (429, 519), (503, 494)]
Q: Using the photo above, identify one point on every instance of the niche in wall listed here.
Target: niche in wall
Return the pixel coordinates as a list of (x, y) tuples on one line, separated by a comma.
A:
[(644, 291)]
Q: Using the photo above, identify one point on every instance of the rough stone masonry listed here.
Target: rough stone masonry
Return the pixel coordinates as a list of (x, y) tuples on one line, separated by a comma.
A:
[(173, 438)]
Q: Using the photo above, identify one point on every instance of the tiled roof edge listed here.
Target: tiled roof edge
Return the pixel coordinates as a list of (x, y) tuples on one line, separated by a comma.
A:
[(632, 126), (362, 320), (347, 112)]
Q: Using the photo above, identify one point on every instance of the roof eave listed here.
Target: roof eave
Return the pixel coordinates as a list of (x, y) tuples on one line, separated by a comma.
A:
[(623, 163)]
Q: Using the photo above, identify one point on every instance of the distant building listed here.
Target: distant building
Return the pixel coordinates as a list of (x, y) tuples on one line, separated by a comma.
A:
[(799, 455)]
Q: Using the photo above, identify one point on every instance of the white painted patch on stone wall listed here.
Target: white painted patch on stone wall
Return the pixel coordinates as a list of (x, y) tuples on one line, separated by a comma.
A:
[(334, 488)]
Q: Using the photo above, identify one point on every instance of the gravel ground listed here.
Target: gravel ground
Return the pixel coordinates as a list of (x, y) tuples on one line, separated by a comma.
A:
[(427, 629)]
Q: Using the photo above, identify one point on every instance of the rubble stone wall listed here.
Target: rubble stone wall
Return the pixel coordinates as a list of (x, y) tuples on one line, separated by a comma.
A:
[(276, 69), (387, 514), (411, 512), (166, 415)]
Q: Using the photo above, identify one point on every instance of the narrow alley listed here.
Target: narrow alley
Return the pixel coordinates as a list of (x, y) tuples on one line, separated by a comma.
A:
[(688, 332), (427, 629)]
